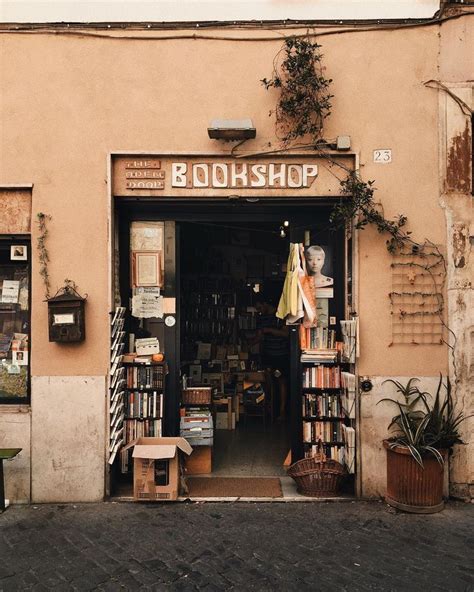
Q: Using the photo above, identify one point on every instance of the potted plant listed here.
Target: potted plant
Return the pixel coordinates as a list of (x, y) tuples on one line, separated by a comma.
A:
[(421, 437)]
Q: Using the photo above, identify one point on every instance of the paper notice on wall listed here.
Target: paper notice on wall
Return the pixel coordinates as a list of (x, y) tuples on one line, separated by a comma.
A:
[(10, 291), (146, 236), (147, 305)]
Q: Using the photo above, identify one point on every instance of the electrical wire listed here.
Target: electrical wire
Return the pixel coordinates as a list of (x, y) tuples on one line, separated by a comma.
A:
[(347, 28)]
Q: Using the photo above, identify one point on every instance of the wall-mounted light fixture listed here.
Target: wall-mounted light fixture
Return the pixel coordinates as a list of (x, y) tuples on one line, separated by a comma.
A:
[(231, 129)]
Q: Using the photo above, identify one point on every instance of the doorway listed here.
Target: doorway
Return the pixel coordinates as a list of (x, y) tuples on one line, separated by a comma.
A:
[(223, 264)]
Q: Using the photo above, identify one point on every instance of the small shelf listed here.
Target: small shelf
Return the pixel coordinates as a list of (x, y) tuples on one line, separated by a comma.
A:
[(325, 363), (313, 443), (322, 418), (319, 390), (142, 418), (158, 389), (139, 364)]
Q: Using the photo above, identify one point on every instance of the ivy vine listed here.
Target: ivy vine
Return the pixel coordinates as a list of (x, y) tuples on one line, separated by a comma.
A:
[(304, 100), (43, 254), (358, 205)]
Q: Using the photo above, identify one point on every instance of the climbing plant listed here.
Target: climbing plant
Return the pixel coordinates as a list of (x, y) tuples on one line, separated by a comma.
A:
[(303, 104), (43, 254), (304, 100), (358, 206)]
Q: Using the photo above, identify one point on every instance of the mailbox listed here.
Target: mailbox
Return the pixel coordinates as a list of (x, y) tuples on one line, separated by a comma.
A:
[(66, 317)]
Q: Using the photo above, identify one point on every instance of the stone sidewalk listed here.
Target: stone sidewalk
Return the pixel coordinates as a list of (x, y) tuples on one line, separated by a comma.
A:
[(235, 546)]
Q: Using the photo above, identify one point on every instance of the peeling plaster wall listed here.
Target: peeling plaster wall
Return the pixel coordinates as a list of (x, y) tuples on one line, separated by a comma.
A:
[(456, 199), (68, 435)]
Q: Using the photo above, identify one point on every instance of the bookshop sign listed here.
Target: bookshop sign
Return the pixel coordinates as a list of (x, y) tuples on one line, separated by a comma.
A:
[(208, 176)]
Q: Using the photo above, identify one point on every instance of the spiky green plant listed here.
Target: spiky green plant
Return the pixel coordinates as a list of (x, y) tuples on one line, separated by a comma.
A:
[(423, 428)]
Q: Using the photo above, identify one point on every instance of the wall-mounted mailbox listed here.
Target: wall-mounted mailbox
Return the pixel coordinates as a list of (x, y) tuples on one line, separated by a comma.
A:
[(66, 317)]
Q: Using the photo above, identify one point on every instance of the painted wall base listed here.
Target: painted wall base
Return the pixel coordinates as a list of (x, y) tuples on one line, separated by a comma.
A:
[(68, 438)]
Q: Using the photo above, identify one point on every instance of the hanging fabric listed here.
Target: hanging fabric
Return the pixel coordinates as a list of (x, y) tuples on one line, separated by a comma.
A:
[(309, 291), (290, 306), (298, 299)]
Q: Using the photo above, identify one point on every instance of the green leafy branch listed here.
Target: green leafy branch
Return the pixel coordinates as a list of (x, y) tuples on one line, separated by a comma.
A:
[(358, 205), (43, 254), (304, 100)]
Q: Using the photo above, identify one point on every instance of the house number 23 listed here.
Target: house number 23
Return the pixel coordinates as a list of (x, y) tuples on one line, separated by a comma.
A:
[(382, 156)]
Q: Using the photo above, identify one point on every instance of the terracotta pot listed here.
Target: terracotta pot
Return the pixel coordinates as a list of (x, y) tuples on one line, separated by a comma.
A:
[(411, 488)]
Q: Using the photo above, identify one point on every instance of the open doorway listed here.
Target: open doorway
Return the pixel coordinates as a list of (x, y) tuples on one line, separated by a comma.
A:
[(219, 271), (231, 278)]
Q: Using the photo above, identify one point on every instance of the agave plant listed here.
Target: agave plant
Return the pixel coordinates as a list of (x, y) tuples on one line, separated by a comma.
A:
[(421, 427)]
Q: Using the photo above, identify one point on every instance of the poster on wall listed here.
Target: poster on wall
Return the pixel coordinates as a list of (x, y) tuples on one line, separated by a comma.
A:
[(146, 268), (319, 267)]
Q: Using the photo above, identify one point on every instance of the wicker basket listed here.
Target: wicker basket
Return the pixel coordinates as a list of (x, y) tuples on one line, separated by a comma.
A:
[(317, 476), (197, 395)]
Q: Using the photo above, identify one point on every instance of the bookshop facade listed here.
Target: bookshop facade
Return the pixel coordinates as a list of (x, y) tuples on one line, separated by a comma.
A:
[(168, 253)]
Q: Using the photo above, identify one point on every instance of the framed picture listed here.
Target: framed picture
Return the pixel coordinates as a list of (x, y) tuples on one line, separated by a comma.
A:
[(20, 358), (146, 268), (18, 253)]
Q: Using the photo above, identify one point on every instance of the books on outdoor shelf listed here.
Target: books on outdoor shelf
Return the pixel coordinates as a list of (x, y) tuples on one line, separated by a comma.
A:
[(331, 451), (142, 377), (348, 382), (322, 431), (138, 428), (322, 377), (317, 338), (319, 355), (322, 406), (143, 405)]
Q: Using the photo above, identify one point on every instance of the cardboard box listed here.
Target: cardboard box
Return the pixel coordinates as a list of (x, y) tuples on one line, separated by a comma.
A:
[(156, 467), (200, 461)]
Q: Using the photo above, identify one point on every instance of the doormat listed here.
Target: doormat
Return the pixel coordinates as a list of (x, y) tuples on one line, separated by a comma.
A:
[(234, 487)]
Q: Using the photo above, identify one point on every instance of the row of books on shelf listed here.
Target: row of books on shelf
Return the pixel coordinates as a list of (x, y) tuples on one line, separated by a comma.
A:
[(139, 428), (331, 451), (322, 406), (143, 405), (318, 338), (142, 377), (322, 377), (342, 454), (324, 431)]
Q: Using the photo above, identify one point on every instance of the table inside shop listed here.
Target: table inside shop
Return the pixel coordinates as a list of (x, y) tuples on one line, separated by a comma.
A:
[(223, 403), (5, 454)]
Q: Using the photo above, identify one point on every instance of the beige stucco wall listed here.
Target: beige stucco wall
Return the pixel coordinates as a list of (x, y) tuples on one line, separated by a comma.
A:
[(15, 432), (67, 443), (69, 101)]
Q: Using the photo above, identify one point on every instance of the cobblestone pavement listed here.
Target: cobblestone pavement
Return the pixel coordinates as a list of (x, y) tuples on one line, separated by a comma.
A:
[(240, 546)]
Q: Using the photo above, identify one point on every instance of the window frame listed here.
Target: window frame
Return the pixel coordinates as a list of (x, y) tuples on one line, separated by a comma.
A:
[(10, 240)]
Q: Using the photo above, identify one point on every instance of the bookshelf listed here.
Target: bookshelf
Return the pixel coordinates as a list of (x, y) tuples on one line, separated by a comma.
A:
[(328, 397), (143, 394)]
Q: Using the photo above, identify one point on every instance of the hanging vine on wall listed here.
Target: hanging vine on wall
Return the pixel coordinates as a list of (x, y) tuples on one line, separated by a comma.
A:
[(358, 206), (43, 254), (304, 100), (301, 109)]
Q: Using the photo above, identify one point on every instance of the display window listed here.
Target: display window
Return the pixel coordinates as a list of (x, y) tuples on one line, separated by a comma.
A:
[(14, 321)]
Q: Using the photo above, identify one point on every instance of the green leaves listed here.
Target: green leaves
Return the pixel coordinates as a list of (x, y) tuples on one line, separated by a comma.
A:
[(304, 99), (358, 205), (421, 427)]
